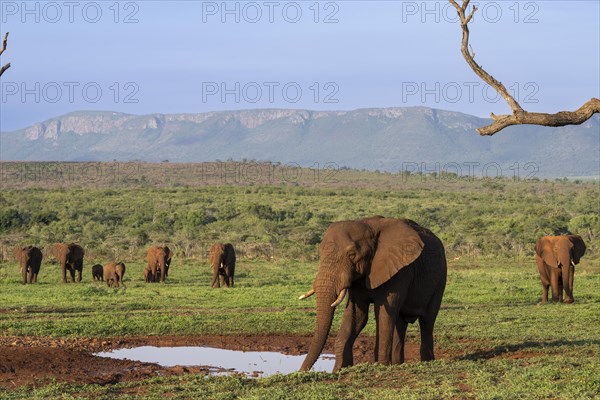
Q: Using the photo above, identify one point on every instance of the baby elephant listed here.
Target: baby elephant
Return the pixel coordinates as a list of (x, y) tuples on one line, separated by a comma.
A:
[(98, 272), (113, 274)]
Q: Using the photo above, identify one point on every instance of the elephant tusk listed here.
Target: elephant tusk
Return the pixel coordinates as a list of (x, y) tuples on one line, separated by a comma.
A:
[(340, 298), (307, 294)]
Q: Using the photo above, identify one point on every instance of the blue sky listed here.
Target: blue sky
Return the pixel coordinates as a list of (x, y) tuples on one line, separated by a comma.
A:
[(194, 56)]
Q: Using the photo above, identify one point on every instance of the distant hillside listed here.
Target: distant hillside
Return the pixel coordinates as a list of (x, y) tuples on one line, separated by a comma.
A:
[(388, 139)]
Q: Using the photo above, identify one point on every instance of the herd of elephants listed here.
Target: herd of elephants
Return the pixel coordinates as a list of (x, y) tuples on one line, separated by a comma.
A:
[(395, 264)]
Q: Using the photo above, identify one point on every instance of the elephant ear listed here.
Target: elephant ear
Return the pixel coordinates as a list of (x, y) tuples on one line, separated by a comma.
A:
[(398, 245), (168, 253), (17, 252), (58, 251), (578, 247), (75, 251), (544, 248)]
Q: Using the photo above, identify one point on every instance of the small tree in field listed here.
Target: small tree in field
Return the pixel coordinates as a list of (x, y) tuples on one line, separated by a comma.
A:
[(519, 116)]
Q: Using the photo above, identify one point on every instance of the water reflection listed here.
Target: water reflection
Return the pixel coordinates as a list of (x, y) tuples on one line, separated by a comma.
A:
[(246, 362)]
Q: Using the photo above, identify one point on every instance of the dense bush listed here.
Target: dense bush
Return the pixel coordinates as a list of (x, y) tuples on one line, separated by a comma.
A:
[(482, 217)]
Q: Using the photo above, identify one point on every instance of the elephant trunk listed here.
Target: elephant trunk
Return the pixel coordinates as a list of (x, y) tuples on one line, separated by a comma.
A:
[(567, 272), (24, 278), (322, 327), (162, 265), (326, 296)]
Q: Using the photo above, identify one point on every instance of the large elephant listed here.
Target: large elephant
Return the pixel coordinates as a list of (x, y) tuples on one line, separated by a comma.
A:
[(395, 264), (30, 260), (159, 260), (70, 257), (113, 274), (222, 259), (556, 257)]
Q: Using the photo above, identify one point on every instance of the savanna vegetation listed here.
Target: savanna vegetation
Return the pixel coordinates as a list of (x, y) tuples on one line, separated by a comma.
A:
[(493, 338), (117, 210)]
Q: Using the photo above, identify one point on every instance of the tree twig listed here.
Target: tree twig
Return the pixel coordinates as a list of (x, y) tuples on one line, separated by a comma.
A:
[(519, 116), (4, 44)]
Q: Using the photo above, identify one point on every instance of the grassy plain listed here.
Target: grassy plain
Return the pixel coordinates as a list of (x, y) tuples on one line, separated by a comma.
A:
[(495, 340)]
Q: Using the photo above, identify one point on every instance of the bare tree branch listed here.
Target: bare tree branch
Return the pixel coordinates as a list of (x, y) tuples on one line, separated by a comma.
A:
[(4, 43), (518, 116)]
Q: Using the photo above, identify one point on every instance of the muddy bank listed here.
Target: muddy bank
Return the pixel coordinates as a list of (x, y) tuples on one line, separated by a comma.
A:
[(36, 361)]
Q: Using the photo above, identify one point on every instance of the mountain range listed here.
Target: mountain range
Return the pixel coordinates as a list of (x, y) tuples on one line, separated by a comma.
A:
[(386, 139)]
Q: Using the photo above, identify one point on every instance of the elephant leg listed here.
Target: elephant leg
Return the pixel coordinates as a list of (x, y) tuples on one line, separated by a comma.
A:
[(544, 271), (225, 278), (64, 273), (386, 316), (30, 278), (72, 273), (388, 300), (221, 277), (229, 272), (78, 275), (426, 349), (427, 322), (560, 289), (356, 315), (399, 340), (545, 287)]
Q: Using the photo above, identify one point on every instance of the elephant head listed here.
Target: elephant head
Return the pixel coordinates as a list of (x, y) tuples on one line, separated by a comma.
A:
[(370, 251), (559, 251)]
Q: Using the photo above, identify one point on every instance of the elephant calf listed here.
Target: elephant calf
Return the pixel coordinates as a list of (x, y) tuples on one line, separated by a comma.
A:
[(222, 259), (113, 274), (98, 272)]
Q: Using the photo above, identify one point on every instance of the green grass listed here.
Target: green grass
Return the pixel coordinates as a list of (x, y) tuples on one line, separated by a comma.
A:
[(490, 315)]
